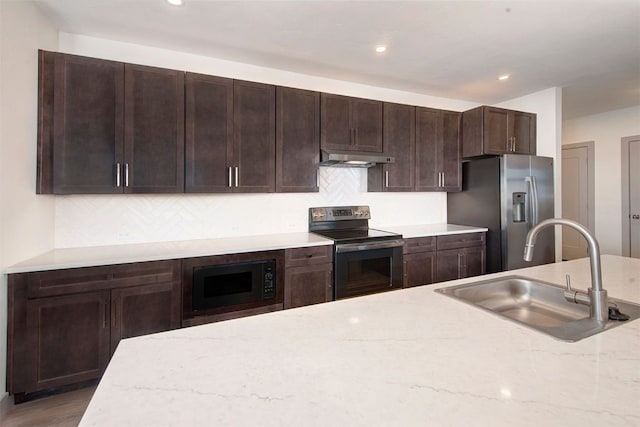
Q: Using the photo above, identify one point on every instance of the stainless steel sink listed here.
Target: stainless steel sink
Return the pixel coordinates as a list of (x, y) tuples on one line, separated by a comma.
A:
[(537, 305)]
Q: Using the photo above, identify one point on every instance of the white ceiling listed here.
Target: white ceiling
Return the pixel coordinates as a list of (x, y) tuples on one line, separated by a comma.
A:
[(453, 49)]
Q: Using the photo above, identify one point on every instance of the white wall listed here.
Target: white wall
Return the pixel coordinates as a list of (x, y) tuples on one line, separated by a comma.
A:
[(547, 104), (606, 130), (104, 220), (26, 220)]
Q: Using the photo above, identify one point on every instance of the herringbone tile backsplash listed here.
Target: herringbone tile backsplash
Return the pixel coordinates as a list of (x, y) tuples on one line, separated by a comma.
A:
[(109, 220)]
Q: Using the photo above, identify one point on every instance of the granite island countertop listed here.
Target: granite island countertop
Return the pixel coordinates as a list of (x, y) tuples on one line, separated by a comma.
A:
[(61, 258), (410, 357)]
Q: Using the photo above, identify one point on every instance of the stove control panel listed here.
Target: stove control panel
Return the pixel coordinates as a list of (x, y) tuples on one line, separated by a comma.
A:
[(339, 213)]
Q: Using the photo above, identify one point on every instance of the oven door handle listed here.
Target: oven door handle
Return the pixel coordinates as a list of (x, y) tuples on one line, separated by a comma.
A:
[(362, 246)]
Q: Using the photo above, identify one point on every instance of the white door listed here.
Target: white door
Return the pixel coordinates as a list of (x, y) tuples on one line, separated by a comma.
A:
[(634, 198), (575, 198)]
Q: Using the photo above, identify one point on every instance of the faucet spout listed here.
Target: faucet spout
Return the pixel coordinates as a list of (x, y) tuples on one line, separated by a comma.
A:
[(597, 294)]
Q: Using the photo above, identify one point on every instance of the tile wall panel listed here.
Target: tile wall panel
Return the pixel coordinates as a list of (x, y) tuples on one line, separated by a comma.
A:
[(108, 220)]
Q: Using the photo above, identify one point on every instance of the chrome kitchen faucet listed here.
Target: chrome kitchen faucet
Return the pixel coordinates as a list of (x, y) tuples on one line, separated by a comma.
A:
[(596, 296)]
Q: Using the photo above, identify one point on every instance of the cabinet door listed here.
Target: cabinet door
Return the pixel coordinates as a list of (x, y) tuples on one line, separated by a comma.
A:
[(143, 310), (80, 125), (427, 149), (475, 262), (297, 140), (308, 285), (209, 133), (419, 269), (449, 151), (154, 130), (524, 132), (367, 125), (399, 142), (254, 137), (68, 338), (496, 133), (449, 265), (335, 122)]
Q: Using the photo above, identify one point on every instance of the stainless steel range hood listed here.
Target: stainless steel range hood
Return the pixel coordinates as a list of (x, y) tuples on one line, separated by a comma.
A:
[(352, 159)]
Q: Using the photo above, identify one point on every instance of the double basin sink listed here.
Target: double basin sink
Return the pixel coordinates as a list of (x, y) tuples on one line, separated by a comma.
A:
[(538, 305)]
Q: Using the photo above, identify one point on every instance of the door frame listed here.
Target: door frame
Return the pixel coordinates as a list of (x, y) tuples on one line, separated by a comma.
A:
[(591, 199), (626, 208)]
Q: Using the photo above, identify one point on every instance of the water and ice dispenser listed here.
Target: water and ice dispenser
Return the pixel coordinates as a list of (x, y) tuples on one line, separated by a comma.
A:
[(518, 209)]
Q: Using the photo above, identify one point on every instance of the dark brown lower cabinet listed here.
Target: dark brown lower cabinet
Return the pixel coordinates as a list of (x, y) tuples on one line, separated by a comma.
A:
[(65, 324), (67, 340), (143, 310), (419, 261), (430, 260), (460, 256), (308, 277), (419, 269)]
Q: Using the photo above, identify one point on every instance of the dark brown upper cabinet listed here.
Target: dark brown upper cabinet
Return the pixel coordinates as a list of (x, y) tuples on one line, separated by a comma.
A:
[(350, 124), (438, 163), (230, 135), (80, 124), (494, 131), (108, 127), (399, 141), (297, 140), (153, 130), (209, 134), (254, 119)]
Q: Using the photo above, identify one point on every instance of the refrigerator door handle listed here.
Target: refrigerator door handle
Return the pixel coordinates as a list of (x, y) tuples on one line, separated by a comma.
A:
[(533, 197)]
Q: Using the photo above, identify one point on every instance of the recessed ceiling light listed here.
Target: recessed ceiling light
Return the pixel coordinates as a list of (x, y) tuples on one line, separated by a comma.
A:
[(381, 49), (504, 77), (175, 2)]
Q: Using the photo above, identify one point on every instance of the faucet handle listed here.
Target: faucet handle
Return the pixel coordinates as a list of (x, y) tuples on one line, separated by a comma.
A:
[(568, 277)]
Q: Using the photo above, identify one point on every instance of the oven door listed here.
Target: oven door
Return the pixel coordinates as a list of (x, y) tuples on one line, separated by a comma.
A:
[(366, 268)]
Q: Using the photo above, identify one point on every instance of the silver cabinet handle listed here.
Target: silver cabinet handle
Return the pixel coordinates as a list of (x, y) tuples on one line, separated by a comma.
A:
[(236, 176), (126, 174), (118, 175), (514, 144), (104, 316), (386, 179), (230, 177)]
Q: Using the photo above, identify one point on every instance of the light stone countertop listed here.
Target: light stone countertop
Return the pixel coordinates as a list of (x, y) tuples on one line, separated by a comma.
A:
[(119, 254), (410, 357), (425, 230), (141, 252)]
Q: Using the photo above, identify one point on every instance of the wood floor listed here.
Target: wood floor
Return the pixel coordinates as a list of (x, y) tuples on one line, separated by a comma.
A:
[(61, 410)]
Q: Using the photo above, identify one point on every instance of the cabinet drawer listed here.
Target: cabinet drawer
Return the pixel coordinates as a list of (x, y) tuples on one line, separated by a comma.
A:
[(74, 280), (308, 256), (419, 244), (460, 241)]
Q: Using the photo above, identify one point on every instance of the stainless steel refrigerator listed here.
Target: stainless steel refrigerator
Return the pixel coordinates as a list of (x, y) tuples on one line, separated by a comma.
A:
[(508, 194)]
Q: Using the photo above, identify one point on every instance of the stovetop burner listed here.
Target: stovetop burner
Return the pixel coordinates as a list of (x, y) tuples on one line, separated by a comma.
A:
[(346, 224), (352, 235)]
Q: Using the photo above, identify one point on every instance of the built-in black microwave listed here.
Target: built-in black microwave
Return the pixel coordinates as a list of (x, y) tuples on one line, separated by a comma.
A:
[(226, 285), (222, 287)]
